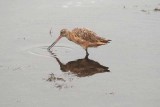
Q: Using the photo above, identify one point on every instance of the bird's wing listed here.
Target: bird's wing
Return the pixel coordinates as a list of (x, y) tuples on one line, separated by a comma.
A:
[(87, 35)]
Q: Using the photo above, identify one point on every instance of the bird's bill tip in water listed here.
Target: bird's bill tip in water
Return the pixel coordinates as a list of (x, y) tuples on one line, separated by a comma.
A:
[(54, 42)]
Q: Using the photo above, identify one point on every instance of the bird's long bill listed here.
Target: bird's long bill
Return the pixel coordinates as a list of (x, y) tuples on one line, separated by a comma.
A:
[(54, 42)]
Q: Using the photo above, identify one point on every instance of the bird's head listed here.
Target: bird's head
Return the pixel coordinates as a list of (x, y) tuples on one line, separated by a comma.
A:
[(63, 33)]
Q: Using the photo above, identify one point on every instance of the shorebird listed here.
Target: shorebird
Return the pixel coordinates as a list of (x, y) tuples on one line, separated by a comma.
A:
[(83, 37)]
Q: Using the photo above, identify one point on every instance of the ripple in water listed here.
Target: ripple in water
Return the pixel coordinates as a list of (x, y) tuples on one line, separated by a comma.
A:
[(42, 51)]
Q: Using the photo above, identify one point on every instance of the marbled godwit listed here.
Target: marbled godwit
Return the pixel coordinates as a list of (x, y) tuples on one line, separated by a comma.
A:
[(83, 37)]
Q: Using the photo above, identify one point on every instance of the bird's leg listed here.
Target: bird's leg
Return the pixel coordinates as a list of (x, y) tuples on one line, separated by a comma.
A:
[(86, 57), (87, 52)]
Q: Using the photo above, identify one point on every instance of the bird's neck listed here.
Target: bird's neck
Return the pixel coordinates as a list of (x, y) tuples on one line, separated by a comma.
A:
[(69, 36)]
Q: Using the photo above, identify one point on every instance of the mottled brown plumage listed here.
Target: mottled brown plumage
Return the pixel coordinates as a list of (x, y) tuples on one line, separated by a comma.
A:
[(83, 37)]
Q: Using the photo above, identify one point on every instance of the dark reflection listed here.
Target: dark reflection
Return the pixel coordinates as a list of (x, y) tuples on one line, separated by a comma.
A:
[(82, 67)]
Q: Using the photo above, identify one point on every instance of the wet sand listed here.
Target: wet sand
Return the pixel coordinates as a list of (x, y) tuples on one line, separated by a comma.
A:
[(121, 74)]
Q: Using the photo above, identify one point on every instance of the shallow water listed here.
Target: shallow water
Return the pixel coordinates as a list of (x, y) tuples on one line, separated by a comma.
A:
[(121, 74)]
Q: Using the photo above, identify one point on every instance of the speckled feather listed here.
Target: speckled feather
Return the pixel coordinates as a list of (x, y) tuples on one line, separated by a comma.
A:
[(87, 35)]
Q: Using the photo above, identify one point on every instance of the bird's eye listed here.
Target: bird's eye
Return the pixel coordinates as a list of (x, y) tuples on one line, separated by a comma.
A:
[(62, 32)]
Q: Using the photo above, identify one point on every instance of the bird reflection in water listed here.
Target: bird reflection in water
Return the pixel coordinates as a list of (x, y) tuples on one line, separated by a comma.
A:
[(82, 67), (79, 67)]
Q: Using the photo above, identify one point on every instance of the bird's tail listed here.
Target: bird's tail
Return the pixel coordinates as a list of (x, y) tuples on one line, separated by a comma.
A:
[(103, 42), (106, 41)]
